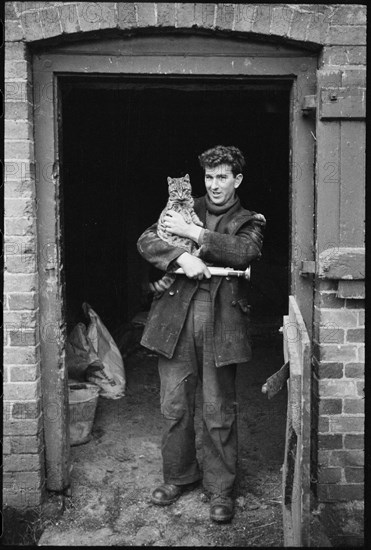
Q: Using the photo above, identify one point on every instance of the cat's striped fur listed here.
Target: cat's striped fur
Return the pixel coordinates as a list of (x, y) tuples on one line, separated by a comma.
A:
[(180, 200)]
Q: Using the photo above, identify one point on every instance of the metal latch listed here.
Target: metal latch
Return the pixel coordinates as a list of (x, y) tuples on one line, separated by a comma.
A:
[(55, 170), (308, 267), (309, 105)]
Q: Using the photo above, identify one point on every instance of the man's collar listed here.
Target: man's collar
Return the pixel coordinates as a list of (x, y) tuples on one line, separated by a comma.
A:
[(217, 209)]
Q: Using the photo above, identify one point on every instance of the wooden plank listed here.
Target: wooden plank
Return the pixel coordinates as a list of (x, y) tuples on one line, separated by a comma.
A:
[(142, 82), (54, 375), (182, 54), (182, 65), (176, 45), (288, 477), (288, 534), (288, 468), (285, 346), (352, 191), (293, 335), (328, 185), (302, 148), (296, 318), (296, 469), (342, 263), (351, 289), (342, 102), (297, 491), (305, 440)]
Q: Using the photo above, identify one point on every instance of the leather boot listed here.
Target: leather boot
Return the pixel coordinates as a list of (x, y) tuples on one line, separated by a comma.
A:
[(221, 508), (166, 494)]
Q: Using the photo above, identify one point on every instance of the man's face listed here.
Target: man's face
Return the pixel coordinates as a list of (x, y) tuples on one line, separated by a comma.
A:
[(221, 183)]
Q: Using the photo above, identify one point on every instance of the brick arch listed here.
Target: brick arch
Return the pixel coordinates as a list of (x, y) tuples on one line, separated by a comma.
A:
[(304, 25)]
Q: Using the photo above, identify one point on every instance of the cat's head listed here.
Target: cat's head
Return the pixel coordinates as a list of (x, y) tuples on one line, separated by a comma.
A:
[(179, 188)]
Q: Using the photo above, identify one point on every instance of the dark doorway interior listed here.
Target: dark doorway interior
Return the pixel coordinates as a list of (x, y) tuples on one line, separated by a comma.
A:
[(119, 145)]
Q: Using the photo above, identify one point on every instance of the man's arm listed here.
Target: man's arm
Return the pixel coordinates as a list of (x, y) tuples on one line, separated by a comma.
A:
[(164, 256), (236, 251), (156, 251)]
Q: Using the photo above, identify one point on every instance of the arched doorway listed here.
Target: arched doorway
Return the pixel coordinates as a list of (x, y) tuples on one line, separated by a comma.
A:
[(142, 90)]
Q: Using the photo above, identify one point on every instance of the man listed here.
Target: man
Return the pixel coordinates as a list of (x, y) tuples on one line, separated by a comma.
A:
[(200, 328)]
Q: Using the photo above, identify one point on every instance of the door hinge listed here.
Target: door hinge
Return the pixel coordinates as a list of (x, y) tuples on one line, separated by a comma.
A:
[(308, 267), (309, 105)]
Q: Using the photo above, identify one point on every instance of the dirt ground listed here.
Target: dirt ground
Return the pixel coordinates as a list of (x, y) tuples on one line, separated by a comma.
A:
[(115, 472)]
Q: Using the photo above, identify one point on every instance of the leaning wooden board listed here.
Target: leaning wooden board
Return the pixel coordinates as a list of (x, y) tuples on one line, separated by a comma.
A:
[(296, 467)]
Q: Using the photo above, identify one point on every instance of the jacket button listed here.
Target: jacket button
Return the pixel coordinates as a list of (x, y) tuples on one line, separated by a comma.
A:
[(234, 303), (171, 292)]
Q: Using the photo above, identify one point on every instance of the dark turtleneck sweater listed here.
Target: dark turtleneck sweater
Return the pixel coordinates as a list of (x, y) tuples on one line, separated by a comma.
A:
[(214, 213)]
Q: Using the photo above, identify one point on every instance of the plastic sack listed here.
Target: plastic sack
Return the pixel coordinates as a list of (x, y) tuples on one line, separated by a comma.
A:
[(79, 352), (107, 368)]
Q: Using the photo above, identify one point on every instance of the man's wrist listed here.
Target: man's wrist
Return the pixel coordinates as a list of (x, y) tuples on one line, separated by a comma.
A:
[(194, 232), (201, 237)]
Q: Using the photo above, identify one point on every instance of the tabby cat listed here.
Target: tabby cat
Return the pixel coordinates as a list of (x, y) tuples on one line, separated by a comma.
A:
[(180, 200)]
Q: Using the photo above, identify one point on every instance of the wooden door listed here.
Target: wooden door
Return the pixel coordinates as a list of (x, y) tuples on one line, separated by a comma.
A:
[(197, 58)]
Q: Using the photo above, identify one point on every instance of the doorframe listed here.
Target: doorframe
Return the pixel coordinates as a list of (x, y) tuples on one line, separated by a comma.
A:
[(183, 56)]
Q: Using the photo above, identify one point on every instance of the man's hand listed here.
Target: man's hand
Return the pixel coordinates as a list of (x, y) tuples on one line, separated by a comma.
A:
[(193, 267), (176, 224)]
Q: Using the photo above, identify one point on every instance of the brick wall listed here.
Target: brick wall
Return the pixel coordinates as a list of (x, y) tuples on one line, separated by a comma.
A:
[(23, 441), (339, 30), (339, 372), (338, 344)]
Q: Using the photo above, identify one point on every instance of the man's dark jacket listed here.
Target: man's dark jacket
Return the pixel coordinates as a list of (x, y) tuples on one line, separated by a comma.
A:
[(236, 241)]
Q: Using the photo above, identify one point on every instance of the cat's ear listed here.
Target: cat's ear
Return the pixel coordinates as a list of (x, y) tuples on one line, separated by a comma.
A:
[(186, 177), (169, 180)]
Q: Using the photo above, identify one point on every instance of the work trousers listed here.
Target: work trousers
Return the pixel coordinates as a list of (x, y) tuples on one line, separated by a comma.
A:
[(194, 359)]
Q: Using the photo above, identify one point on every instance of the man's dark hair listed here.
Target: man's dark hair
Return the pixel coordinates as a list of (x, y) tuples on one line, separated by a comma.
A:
[(221, 154)]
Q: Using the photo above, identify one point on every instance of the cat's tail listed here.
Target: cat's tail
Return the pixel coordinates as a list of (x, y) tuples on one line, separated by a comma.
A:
[(160, 286)]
